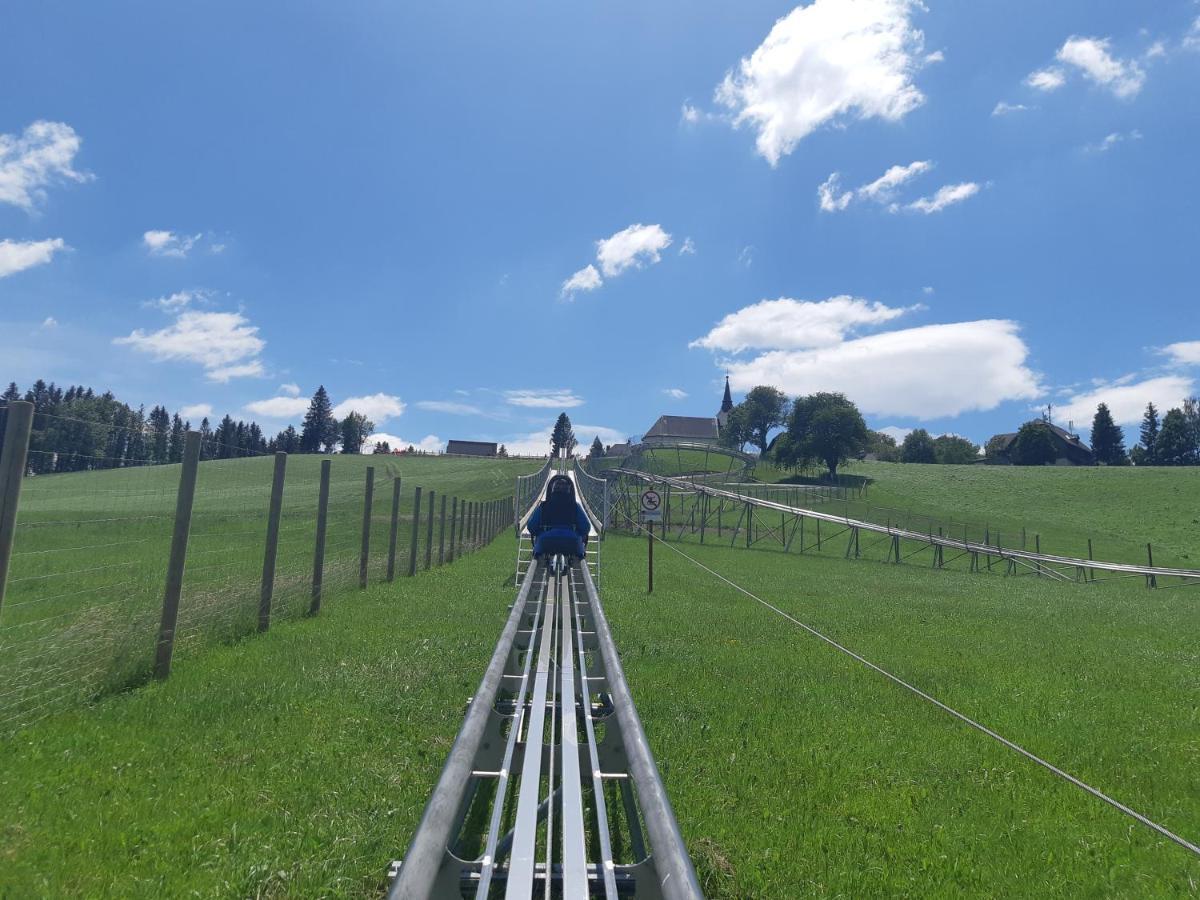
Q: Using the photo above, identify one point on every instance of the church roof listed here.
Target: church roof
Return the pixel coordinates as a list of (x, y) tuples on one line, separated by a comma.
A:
[(687, 427)]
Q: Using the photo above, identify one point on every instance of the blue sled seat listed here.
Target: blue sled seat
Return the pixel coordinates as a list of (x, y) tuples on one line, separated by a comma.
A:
[(558, 540)]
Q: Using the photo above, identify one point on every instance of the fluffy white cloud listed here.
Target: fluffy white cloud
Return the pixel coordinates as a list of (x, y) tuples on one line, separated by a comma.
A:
[(675, 393), (1184, 353), (44, 154), (449, 406), (537, 443), (1191, 40), (1090, 55), (167, 243), (1112, 140), (881, 190), (946, 195), (224, 343), (689, 114), (48, 323), (431, 443), (16, 256), (179, 300), (896, 432), (376, 407), (196, 411), (1003, 108), (279, 407), (542, 398), (632, 247), (1047, 79), (919, 373), (1126, 399), (787, 324), (823, 63), (586, 279), (688, 248), (290, 389)]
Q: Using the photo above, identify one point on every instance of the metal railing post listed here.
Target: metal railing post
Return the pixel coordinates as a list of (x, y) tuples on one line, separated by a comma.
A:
[(319, 546), (178, 559), (271, 553), (13, 460)]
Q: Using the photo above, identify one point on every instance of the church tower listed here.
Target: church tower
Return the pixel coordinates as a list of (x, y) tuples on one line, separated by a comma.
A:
[(726, 406)]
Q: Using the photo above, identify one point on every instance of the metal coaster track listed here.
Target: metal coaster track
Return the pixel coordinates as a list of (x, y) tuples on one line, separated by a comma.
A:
[(1046, 564), (553, 758)]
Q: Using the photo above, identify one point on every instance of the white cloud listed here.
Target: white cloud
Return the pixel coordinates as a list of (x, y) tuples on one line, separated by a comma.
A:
[(1126, 399), (1191, 40), (1112, 140), (787, 324), (947, 195), (1003, 108), (167, 243), (586, 279), (823, 63), (688, 248), (179, 300), (1090, 55), (632, 247), (543, 398), (376, 407), (16, 256), (279, 407), (746, 257), (689, 114), (936, 56), (196, 411), (224, 343), (431, 443), (289, 389), (44, 154), (1047, 79), (1184, 353), (675, 393), (927, 290), (921, 373), (48, 323), (896, 432), (537, 443), (881, 190), (449, 406)]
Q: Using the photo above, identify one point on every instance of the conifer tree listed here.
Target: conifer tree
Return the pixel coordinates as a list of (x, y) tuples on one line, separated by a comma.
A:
[(320, 428), (563, 436), (597, 449), (1108, 441), (1149, 436), (1174, 444)]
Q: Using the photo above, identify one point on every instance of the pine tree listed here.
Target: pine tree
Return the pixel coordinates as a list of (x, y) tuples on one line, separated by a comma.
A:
[(597, 449), (563, 436), (1149, 436), (1108, 441), (206, 439), (178, 437), (320, 428), (1191, 413), (160, 434)]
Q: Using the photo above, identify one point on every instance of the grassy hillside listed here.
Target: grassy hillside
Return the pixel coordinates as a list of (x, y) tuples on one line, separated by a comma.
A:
[(90, 558), (1121, 509), (298, 763)]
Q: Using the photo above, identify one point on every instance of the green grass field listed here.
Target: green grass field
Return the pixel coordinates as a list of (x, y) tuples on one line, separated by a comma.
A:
[(89, 565), (297, 763), (1121, 509)]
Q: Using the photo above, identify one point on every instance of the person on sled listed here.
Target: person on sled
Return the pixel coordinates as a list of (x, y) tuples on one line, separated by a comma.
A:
[(559, 524)]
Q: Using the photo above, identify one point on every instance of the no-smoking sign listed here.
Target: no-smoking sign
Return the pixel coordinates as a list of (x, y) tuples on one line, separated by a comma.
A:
[(651, 504)]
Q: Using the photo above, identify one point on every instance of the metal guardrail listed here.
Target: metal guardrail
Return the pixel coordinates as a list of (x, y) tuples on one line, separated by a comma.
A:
[(1041, 562)]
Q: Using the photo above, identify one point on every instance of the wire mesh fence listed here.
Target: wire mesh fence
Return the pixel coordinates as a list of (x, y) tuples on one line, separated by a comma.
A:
[(83, 593)]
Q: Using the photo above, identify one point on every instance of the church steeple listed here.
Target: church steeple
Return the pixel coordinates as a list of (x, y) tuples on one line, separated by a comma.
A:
[(727, 400)]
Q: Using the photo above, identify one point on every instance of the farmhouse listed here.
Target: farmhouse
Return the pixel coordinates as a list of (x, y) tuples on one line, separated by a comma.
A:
[(1071, 450), (691, 429), (471, 448)]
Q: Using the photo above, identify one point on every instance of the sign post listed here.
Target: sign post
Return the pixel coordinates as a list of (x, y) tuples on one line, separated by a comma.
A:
[(651, 507)]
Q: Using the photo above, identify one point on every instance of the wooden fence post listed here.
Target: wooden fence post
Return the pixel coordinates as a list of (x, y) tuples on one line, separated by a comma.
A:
[(453, 527), (272, 549), (13, 460), (394, 532), (319, 548), (364, 554), (442, 533), (175, 565), (416, 532), (429, 533)]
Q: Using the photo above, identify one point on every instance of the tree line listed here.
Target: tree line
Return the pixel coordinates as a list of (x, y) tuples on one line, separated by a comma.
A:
[(77, 429)]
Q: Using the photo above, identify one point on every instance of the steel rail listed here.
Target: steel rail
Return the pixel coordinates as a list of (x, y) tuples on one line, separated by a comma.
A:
[(921, 536), (672, 865), (431, 841)]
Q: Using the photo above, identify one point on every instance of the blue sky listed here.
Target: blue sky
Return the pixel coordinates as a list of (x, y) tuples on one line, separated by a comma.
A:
[(464, 218)]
